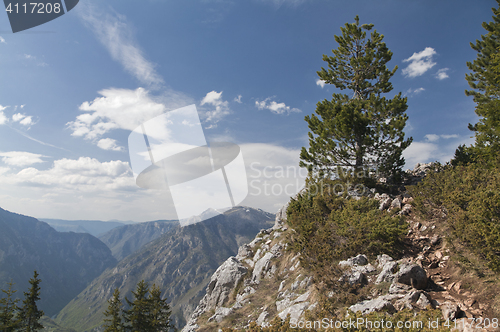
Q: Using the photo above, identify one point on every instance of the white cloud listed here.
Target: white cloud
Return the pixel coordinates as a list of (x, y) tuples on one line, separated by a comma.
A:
[(432, 137), (221, 107), (84, 174), (3, 118), (433, 149), (27, 121), (114, 33), (273, 175), (20, 158), (17, 117), (411, 92), (116, 109), (321, 83), (34, 58), (449, 136), (109, 144), (441, 73), (2, 40), (277, 108), (419, 63), (238, 99)]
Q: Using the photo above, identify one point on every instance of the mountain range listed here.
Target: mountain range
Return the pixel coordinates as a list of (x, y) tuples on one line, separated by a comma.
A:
[(66, 262), (180, 262)]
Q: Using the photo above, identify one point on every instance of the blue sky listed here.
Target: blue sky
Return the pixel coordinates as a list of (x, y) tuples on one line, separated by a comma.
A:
[(74, 88)]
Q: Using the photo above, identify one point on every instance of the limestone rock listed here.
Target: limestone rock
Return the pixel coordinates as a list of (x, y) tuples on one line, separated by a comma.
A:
[(261, 266), (370, 306)]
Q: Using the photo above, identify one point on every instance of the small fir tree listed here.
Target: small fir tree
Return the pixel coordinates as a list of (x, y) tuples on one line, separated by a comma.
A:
[(9, 321), (160, 311), (137, 317), (29, 313), (113, 320)]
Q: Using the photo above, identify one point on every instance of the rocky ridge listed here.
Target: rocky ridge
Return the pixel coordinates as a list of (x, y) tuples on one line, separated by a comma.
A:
[(265, 280)]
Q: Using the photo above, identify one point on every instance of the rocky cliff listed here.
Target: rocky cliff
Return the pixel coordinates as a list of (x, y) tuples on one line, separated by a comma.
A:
[(266, 280)]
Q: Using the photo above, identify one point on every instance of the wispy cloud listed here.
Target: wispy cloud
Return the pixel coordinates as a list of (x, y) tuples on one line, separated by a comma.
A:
[(279, 3), (3, 118), (2, 40), (38, 62), (419, 63), (238, 99), (21, 158), (441, 73), (221, 109), (25, 120), (114, 33), (412, 92), (320, 83), (273, 106)]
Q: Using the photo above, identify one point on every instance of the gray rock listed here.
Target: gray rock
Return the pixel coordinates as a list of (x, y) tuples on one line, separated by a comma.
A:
[(354, 278), (262, 317), (396, 203), (411, 274), (450, 310), (358, 260), (221, 285), (295, 311), (364, 269), (261, 266), (383, 259), (385, 204), (244, 251), (408, 301), (397, 288), (220, 313), (370, 306), (387, 273)]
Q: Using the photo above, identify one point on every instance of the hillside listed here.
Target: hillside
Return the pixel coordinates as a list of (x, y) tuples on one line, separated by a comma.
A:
[(127, 239), (66, 262), (180, 262), (427, 274)]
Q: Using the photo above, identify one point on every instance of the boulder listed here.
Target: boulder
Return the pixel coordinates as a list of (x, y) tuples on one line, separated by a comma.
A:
[(358, 260), (411, 274), (370, 306), (387, 273)]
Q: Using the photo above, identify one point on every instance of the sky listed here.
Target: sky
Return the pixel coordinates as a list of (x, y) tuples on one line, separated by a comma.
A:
[(73, 89)]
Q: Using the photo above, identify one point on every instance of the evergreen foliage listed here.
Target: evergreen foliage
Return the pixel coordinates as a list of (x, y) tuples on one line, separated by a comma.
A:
[(330, 228), (484, 81), (113, 320), (9, 321), (471, 198), (363, 131), (29, 313), (160, 311)]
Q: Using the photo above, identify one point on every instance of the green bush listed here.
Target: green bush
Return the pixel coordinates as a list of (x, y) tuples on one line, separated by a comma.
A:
[(470, 196), (331, 227)]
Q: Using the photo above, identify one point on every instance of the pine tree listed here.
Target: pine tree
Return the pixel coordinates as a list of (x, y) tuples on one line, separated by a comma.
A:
[(113, 314), (29, 313), (485, 82), (137, 317), (159, 311), (8, 310), (363, 131)]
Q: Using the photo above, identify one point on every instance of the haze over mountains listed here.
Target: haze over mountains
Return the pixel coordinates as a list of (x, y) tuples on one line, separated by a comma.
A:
[(66, 262), (180, 262), (94, 227)]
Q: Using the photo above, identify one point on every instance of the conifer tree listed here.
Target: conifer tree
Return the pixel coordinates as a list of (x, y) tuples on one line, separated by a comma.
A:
[(484, 80), (160, 311), (29, 313), (137, 317), (113, 320), (361, 131), (9, 321)]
